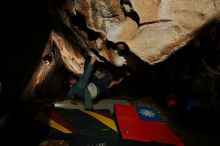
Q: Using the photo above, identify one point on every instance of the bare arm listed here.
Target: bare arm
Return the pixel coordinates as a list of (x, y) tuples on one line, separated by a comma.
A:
[(92, 60), (115, 82)]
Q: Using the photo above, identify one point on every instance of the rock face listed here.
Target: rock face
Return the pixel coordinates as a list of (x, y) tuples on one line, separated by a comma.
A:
[(151, 29), (168, 25)]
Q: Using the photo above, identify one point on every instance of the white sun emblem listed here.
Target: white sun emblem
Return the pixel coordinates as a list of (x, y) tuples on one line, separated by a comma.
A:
[(147, 113)]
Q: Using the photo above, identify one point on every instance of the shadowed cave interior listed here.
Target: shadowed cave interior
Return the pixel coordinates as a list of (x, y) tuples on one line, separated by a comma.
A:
[(189, 74)]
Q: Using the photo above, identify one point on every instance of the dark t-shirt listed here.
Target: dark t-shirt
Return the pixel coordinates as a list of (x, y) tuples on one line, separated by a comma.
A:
[(102, 79)]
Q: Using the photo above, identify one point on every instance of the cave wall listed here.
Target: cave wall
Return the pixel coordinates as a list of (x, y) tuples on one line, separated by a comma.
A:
[(25, 26), (27, 31), (136, 23)]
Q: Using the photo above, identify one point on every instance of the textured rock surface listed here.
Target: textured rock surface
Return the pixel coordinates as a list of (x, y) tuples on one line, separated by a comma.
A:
[(139, 23), (151, 29), (167, 25)]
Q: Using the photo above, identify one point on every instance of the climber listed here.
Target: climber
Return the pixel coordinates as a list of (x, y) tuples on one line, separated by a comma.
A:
[(89, 85)]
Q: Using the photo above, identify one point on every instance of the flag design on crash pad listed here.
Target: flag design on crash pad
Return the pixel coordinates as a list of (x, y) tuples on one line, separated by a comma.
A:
[(148, 114), (143, 123)]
